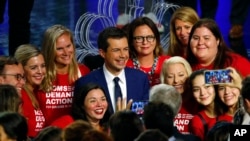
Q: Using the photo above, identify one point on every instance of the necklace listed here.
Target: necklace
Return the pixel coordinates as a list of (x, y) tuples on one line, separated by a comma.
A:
[(149, 73)]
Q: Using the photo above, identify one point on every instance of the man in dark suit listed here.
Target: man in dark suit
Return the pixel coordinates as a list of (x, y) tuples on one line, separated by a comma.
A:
[(134, 84)]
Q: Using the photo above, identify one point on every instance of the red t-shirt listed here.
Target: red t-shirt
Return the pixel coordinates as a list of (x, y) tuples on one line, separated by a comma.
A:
[(241, 64), (196, 125), (62, 121), (184, 117), (225, 117), (58, 102), (35, 118), (155, 78)]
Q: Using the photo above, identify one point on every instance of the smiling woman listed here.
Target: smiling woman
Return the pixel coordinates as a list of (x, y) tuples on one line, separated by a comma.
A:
[(175, 72), (207, 49), (206, 97), (146, 52), (229, 94), (90, 104), (34, 68), (63, 70), (181, 24)]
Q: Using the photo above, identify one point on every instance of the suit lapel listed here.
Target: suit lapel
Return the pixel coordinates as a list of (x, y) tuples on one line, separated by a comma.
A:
[(99, 77), (129, 83)]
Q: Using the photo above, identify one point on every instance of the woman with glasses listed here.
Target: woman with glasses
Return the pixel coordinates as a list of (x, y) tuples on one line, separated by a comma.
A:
[(146, 52), (34, 68)]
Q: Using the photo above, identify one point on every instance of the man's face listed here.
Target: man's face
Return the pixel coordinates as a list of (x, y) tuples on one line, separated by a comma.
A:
[(117, 55), (9, 76)]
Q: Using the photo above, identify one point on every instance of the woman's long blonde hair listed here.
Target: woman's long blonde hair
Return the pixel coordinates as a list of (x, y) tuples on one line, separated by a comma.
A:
[(185, 14), (49, 48), (23, 54)]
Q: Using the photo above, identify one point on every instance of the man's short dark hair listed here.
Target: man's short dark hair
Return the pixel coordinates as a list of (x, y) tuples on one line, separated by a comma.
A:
[(7, 60), (109, 32)]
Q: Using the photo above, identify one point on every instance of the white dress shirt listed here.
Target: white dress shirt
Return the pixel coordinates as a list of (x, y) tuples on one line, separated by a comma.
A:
[(111, 85)]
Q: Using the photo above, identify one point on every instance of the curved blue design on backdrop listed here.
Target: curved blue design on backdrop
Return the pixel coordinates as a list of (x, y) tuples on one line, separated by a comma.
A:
[(91, 23), (67, 12)]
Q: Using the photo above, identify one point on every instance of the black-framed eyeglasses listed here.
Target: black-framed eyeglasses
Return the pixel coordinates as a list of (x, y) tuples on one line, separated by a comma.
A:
[(140, 39), (18, 77)]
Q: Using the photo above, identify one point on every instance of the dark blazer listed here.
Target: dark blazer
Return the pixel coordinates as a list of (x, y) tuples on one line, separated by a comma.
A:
[(137, 84)]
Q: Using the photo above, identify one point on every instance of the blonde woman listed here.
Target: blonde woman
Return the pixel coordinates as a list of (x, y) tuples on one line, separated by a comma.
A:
[(229, 94), (63, 70), (181, 24), (34, 69), (175, 72)]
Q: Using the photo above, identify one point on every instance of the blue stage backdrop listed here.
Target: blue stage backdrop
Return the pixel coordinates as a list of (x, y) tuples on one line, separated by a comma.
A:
[(86, 18)]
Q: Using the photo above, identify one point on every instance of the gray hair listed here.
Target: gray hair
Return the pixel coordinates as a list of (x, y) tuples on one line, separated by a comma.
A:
[(166, 94)]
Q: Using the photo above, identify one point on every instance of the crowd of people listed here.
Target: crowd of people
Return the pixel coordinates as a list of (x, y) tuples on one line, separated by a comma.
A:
[(47, 95)]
